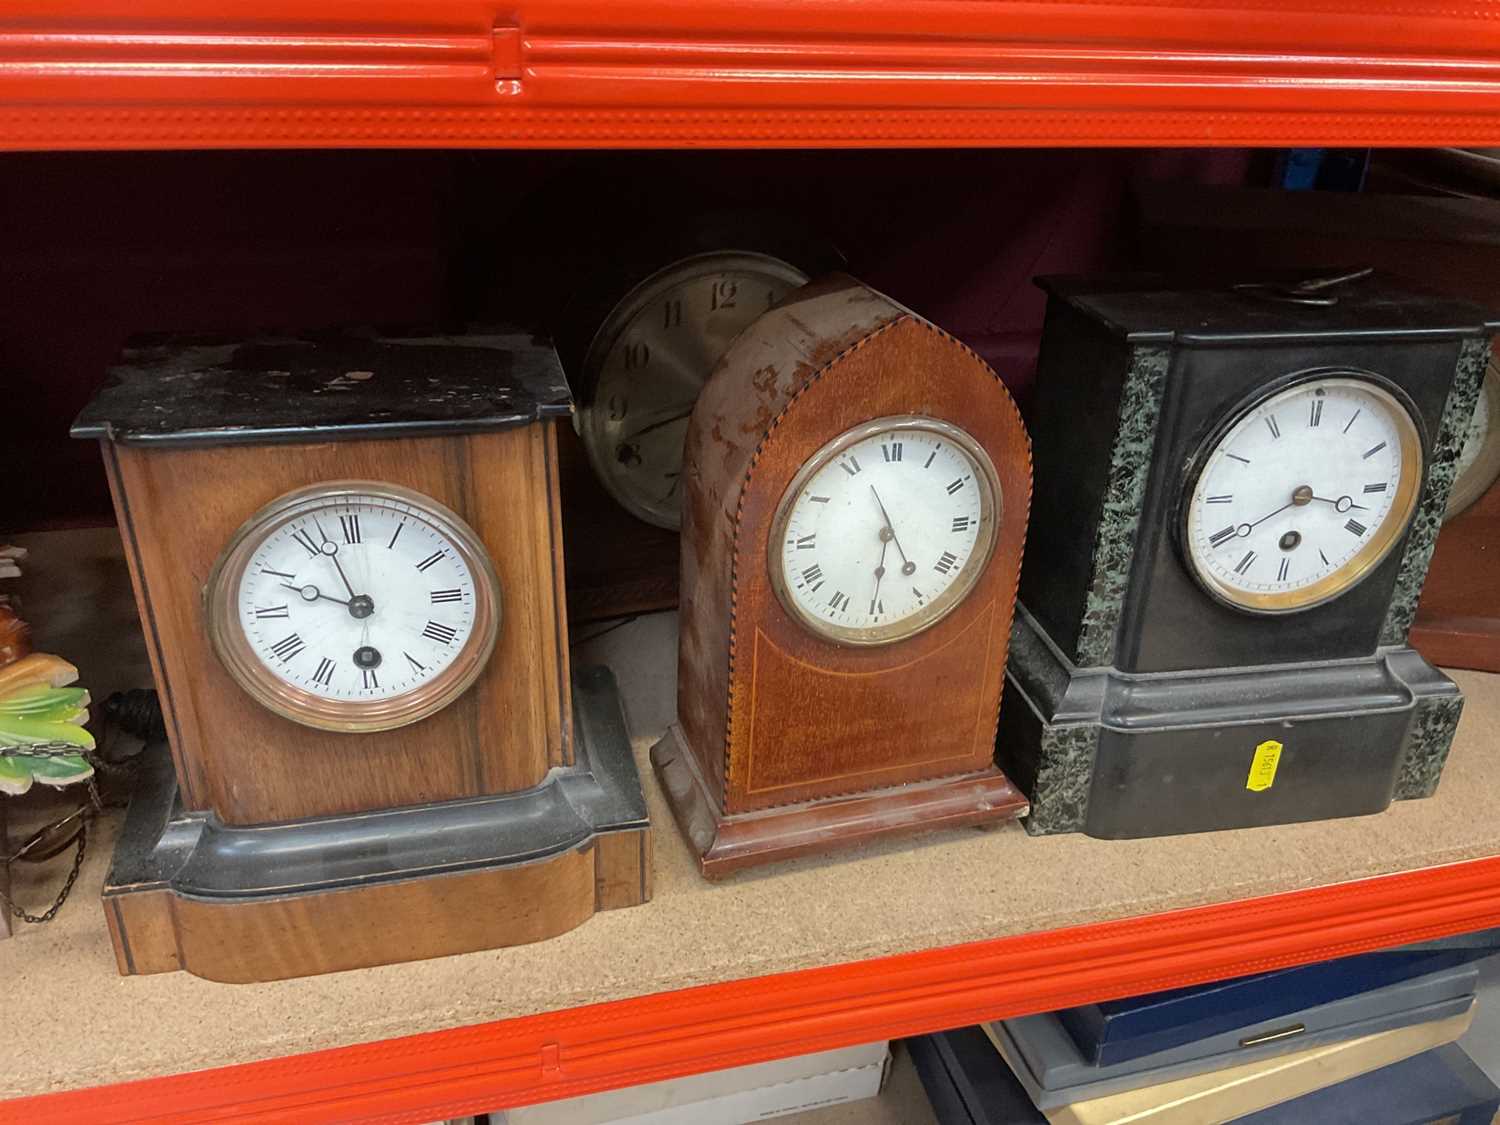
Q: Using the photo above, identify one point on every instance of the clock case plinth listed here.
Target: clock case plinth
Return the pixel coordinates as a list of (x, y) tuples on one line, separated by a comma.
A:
[(787, 743), (257, 848), (186, 891), (1135, 702)]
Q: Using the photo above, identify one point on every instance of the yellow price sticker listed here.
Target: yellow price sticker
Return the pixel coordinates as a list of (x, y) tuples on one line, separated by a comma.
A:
[(1263, 766)]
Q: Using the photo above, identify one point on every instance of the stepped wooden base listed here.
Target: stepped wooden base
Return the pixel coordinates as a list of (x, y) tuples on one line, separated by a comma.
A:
[(156, 930), (728, 842), (238, 904)]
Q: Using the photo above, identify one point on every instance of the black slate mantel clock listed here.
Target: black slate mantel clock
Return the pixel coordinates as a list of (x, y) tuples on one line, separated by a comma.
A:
[(1241, 486)]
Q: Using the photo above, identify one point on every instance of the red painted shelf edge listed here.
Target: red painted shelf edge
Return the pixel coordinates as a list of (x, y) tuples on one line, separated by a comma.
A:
[(559, 1054), (112, 74)]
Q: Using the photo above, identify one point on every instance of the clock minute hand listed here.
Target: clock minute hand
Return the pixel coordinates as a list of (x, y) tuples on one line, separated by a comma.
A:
[(658, 424), (330, 550), (907, 566)]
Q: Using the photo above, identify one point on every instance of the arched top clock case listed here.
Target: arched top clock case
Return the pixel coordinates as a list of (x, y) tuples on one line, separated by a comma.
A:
[(785, 730)]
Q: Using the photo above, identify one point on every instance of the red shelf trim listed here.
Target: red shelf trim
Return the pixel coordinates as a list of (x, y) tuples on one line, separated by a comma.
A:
[(536, 1058), (563, 73)]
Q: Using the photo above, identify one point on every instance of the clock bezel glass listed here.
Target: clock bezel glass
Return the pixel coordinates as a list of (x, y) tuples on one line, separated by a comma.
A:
[(991, 501), (1357, 567), (592, 422), (235, 653)]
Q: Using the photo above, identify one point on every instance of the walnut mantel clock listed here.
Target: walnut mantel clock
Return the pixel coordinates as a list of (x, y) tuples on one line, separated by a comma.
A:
[(346, 554), (1244, 483), (856, 492)]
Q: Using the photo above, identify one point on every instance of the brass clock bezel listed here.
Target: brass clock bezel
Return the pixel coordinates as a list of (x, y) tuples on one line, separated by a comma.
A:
[(1351, 573), (991, 505), (230, 644), (591, 420), (1485, 470)]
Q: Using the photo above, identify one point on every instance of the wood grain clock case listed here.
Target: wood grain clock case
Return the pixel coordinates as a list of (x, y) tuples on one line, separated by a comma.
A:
[(787, 742), (266, 848), (1144, 698)]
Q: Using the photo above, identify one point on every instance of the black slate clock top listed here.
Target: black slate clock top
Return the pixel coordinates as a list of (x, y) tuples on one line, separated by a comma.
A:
[(327, 386), (1144, 307)]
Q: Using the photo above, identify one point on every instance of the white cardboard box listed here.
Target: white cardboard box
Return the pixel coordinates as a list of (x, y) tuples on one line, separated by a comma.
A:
[(724, 1097)]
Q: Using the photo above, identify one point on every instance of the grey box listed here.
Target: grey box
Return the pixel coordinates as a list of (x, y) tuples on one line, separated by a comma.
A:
[(1054, 1072)]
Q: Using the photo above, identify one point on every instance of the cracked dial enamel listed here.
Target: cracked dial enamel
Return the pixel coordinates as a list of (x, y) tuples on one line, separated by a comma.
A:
[(354, 606), (884, 530), (1303, 495)]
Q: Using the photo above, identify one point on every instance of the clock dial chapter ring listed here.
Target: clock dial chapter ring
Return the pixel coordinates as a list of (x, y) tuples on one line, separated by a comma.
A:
[(1301, 493), (885, 530), (649, 359), (395, 650)]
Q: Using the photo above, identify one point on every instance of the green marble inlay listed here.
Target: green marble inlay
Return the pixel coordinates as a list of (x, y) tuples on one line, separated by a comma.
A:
[(1442, 468), (1427, 744), (1065, 771), (1119, 518)]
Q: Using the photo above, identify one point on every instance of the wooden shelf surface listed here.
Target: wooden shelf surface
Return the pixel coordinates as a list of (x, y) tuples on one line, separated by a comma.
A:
[(113, 74), (886, 941)]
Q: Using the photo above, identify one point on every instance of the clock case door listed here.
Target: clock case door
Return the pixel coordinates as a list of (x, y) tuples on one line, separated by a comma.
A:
[(1139, 699)]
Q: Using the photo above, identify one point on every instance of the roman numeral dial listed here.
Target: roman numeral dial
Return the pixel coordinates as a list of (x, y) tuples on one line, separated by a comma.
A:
[(1302, 494), (337, 600), (885, 530)]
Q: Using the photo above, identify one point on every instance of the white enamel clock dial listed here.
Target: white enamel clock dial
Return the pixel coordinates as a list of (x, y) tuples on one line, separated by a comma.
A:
[(1303, 494), (354, 606), (885, 530), (649, 360)]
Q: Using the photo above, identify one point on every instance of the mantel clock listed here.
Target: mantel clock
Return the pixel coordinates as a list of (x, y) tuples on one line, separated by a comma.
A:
[(856, 490), (1243, 484), (346, 554)]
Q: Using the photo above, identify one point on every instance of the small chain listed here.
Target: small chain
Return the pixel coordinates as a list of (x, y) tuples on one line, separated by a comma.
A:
[(67, 887), (44, 750)]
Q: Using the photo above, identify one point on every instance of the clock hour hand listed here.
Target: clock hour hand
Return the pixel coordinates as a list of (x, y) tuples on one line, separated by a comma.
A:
[(311, 593), (907, 566), (1342, 504), (359, 606)]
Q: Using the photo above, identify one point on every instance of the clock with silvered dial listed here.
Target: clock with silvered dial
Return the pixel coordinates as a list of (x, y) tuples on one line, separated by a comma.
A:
[(1304, 493), (650, 358), (354, 606), (885, 530)]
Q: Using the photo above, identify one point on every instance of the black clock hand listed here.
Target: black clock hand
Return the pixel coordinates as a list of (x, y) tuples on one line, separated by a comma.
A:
[(315, 595), (1301, 496), (907, 566), (658, 424), (1347, 503), (360, 606), (331, 550), (885, 541)]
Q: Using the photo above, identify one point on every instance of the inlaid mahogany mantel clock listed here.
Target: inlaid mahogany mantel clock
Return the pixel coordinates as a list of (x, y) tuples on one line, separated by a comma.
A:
[(347, 559), (856, 490), (1243, 484)]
